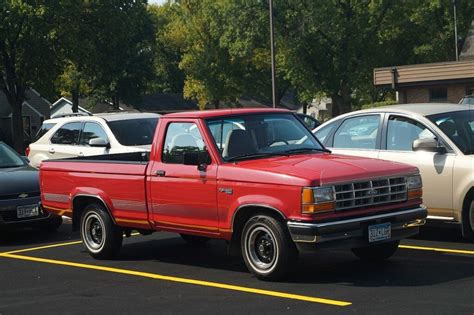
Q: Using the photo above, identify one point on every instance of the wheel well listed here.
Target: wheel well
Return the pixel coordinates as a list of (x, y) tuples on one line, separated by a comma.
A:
[(242, 216), (79, 205)]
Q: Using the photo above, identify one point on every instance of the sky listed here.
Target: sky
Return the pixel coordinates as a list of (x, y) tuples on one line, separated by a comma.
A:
[(156, 1)]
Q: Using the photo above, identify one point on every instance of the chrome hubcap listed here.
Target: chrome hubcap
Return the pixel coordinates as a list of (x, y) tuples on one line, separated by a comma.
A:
[(261, 248), (93, 232)]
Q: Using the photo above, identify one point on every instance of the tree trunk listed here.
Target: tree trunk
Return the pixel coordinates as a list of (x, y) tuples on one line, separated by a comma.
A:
[(305, 108), (115, 101), (17, 125), (341, 101), (216, 104), (75, 98)]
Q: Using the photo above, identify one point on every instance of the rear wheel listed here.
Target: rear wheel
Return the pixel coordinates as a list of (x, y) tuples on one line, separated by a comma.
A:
[(468, 221), (194, 239), (267, 248), (376, 253), (101, 237)]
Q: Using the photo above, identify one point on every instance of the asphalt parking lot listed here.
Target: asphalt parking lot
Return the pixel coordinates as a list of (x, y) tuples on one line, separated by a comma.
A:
[(52, 273)]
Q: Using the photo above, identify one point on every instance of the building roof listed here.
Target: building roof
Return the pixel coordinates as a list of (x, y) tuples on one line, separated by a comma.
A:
[(166, 103), (427, 73), (225, 112), (467, 51)]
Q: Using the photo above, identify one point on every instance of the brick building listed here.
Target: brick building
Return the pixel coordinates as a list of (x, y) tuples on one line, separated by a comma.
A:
[(444, 82)]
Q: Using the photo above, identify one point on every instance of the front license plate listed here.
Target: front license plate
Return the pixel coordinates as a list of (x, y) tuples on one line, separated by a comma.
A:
[(380, 232), (27, 211)]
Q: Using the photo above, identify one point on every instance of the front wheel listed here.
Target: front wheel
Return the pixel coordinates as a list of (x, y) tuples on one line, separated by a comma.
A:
[(376, 253), (267, 248), (101, 237)]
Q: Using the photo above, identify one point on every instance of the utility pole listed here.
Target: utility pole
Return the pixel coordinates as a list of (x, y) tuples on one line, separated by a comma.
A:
[(455, 30), (272, 49)]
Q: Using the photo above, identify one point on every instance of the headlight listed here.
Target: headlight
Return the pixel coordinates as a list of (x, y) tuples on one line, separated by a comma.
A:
[(318, 199), (323, 194), (414, 185), (414, 182)]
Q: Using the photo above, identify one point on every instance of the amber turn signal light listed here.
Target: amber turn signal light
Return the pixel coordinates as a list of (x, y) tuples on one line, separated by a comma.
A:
[(415, 194)]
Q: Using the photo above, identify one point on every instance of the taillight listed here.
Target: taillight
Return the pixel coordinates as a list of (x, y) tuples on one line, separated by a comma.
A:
[(27, 151)]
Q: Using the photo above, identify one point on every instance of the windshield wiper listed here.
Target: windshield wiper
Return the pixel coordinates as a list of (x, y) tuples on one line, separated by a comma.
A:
[(254, 155), (302, 150), (9, 166)]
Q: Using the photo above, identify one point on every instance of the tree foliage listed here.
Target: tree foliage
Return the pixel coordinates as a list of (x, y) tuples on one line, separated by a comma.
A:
[(27, 55)]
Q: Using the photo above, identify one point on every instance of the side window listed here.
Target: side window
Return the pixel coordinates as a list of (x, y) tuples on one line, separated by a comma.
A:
[(402, 131), (358, 133), (323, 133), (181, 138), (43, 130), (67, 134), (92, 131)]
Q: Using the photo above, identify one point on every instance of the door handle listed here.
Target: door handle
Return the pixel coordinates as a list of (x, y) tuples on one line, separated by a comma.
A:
[(160, 173), (80, 154), (51, 151)]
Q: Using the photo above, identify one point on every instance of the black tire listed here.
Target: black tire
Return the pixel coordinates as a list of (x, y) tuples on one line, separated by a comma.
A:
[(194, 239), (267, 248), (376, 253), (52, 224), (468, 221), (100, 236)]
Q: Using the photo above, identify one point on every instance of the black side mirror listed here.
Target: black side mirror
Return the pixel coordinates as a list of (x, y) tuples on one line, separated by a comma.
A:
[(191, 158), (200, 159), (428, 144)]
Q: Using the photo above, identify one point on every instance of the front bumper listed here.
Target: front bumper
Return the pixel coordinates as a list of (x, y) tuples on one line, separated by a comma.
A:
[(8, 213), (353, 233)]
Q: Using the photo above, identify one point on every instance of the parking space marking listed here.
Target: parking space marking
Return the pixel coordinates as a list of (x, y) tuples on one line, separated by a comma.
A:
[(42, 247), (182, 280), (440, 250)]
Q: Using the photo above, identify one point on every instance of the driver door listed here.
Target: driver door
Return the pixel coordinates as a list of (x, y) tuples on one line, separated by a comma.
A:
[(182, 196)]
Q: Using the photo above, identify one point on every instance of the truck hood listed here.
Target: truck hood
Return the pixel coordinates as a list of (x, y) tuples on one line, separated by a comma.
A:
[(312, 169)]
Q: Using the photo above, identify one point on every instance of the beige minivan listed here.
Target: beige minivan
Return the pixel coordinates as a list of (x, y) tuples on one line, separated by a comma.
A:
[(437, 138)]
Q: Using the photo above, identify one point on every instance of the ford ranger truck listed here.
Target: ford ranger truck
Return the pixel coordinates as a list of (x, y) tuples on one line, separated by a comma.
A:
[(257, 178)]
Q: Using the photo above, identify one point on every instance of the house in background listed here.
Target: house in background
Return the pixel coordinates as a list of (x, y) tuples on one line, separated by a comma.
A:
[(87, 106), (164, 103), (35, 110), (444, 82)]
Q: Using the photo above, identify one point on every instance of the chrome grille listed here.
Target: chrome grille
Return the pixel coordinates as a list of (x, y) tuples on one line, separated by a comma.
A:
[(371, 192)]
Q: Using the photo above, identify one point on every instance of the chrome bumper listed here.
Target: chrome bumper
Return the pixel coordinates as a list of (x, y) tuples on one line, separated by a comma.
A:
[(353, 232)]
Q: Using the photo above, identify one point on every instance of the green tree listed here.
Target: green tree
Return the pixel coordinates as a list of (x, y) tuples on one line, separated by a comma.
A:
[(123, 49), (27, 55)]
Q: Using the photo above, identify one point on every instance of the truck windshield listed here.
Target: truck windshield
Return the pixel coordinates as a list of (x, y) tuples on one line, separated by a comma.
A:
[(459, 127), (262, 135), (131, 132)]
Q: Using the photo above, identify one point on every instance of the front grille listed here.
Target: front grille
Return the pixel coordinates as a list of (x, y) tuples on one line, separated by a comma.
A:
[(370, 192), (17, 195)]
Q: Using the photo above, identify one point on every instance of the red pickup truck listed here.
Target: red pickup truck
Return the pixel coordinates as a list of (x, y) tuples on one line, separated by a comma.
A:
[(256, 178)]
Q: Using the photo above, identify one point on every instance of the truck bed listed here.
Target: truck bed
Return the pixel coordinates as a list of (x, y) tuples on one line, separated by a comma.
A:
[(117, 179)]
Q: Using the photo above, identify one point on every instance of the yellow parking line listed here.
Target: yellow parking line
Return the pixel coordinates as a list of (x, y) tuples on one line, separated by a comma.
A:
[(50, 246), (182, 280), (441, 250), (42, 247)]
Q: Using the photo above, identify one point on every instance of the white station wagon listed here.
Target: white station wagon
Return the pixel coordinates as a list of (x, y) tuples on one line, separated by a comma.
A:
[(106, 133), (437, 138)]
